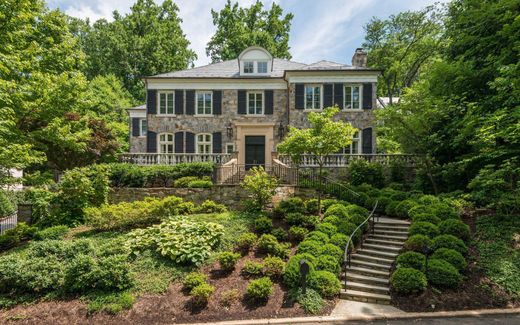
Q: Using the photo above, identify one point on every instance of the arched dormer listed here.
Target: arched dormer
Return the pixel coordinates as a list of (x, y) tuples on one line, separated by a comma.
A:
[(255, 61)]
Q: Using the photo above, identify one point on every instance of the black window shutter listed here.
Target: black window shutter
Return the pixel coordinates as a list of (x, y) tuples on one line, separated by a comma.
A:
[(135, 126), (242, 101), (190, 142), (299, 96), (190, 102), (268, 94), (327, 95), (366, 139), (179, 142), (151, 141), (338, 95), (217, 102), (179, 102), (151, 101), (217, 142), (367, 96)]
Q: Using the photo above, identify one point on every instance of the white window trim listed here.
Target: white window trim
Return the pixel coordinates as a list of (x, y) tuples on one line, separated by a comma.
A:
[(350, 146), (141, 134), (159, 143), (244, 67), (255, 68), (159, 103), (263, 103), (230, 144), (197, 103), (204, 142), (305, 97), (360, 97), (266, 67)]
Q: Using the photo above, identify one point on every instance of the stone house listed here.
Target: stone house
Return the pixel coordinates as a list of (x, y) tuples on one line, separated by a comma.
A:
[(243, 107)]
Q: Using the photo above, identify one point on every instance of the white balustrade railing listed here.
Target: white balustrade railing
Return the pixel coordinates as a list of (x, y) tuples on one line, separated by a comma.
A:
[(341, 160), (146, 159), (8, 222)]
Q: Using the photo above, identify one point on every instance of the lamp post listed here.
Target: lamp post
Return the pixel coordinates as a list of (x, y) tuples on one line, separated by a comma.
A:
[(427, 252), (304, 271)]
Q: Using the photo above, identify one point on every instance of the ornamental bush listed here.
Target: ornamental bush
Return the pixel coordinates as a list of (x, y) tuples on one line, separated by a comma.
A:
[(325, 283), (295, 218), (291, 275), (274, 266), (311, 247), (327, 228), (292, 205), (318, 236), (331, 219), (361, 171), (279, 233), (332, 250), (423, 228), (426, 217), (260, 289), (418, 243), (251, 269), (347, 228), (412, 260), (201, 293), (228, 260), (337, 210), (401, 210), (184, 181), (200, 183), (328, 263), (325, 204), (246, 241), (263, 225), (407, 280), (451, 256), (193, 279), (6, 207), (341, 240), (456, 228), (450, 241), (56, 232), (311, 206), (207, 206), (442, 274), (297, 234), (443, 211), (268, 244), (390, 208)]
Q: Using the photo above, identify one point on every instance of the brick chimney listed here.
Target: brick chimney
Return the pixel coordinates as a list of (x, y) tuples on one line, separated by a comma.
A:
[(359, 59)]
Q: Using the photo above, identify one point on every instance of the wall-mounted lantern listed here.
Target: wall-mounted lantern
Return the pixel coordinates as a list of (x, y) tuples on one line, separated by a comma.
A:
[(229, 130), (281, 130)]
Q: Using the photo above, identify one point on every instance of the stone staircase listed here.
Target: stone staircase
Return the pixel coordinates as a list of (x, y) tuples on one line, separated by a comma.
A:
[(368, 277)]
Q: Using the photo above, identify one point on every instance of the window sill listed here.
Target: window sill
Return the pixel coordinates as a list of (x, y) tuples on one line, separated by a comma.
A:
[(353, 109), (166, 115), (313, 109), (254, 115), (204, 115)]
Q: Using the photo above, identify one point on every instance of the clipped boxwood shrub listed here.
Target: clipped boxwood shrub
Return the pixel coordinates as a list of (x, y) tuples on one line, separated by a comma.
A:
[(295, 218), (291, 205), (327, 228), (426, 217), (318, 236), (297, 234), (325, 204), (291, 276), (200, 183), (341, 240), (417, 243), (328, 263), (443, 211), (311, 206), (279, 233), (263, 225), (260, 289), (401, 210), (456, 228), (251, 269), (390, 208), (423, 228), (450, 241), (228, 260), (451, 256), (412, 260), (201, 293), (246, 241), (407, 280), (311, 247), (331, 219), (56, 232), (268, 244), (273, 266), (325, 283), (337, 210), (442, 274), (332, 250)]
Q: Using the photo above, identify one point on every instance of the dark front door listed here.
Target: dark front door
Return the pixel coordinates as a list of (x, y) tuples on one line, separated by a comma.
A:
[(255, 151)]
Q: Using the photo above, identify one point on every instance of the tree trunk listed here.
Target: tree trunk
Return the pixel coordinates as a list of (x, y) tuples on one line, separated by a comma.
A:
[(319, 190), (430, 175)]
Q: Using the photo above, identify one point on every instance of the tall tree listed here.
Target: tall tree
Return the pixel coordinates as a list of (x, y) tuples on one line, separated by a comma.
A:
[(402, 46), (147, 41), (239, 28)]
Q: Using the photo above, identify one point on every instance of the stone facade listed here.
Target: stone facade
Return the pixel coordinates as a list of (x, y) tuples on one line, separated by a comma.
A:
[(137, 144)]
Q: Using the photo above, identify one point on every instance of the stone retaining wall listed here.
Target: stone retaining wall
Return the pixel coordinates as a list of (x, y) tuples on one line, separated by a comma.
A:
[(230, 195)]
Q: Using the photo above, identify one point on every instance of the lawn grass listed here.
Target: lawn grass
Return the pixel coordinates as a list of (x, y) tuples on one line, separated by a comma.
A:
[(498, 243)]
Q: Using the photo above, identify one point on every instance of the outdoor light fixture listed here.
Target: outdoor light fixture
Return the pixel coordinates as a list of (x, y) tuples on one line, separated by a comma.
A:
[(281, 130), (229, 130)]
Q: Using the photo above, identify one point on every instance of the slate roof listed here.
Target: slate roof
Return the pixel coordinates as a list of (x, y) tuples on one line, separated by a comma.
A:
[(230, 69)]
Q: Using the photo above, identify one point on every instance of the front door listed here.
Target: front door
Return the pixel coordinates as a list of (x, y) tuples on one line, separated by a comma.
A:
[(255, 151)]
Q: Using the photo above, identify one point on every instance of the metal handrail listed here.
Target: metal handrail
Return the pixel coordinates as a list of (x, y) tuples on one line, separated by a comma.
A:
[(347, 254)]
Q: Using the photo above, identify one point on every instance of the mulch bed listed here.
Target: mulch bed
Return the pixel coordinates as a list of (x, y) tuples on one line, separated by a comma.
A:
[(175, 306)]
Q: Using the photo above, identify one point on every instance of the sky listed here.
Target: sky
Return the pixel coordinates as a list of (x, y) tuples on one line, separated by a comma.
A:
[(321, 29)]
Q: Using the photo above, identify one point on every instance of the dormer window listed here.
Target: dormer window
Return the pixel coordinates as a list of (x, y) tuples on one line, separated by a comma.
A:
[(261, 66), (249, 67)]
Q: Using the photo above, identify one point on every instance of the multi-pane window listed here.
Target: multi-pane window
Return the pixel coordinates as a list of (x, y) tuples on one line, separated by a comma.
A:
[(261, 66), (230, 148), (255, 103), (166, 103), (166, 143), (204, 103), (204, 143), (249, 67), (352, 97), (312, 97), (143, 127), (354, 147)]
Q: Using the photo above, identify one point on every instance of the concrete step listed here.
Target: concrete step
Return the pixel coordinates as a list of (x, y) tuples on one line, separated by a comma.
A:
[(358, 286), (360, 278), (383, 242), (358, 262), (390, 233), (392, 222), (374, 259), (389, 227), (382, 248), (369, 272), (376, 253), (365, 296), (400, 239)]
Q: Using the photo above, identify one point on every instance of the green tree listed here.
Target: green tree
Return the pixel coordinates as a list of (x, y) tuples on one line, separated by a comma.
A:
[(325, 137), (147, 41), (261, 185), (402, 46), (239, 28)]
